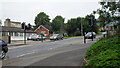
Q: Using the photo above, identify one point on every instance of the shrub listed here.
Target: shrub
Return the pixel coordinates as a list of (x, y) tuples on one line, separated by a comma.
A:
[(105, 52), (105, 58)]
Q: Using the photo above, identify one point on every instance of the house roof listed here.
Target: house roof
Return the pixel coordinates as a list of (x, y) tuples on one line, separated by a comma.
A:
[(16, 22), (14, 29), (41, 26)]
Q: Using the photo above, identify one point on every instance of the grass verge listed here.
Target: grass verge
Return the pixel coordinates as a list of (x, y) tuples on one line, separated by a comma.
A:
[(105, 52)]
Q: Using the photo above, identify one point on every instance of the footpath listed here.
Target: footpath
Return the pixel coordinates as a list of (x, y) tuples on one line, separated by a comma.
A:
[(22, 43)]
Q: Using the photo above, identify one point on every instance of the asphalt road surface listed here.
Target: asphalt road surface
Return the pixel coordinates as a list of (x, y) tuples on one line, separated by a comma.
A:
[(67, 52)]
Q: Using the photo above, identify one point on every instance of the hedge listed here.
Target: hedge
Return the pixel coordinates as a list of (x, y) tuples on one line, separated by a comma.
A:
[(105, 52)]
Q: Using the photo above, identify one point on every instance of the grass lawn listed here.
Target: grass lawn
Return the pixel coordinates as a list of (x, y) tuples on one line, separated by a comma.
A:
[(71, 37)]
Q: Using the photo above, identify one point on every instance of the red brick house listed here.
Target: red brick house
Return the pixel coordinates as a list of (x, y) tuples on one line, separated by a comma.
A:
[(43, 30)]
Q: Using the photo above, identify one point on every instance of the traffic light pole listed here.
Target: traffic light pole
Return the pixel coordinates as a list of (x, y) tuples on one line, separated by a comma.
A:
[(92, 27), (84, 39), (24, 34)]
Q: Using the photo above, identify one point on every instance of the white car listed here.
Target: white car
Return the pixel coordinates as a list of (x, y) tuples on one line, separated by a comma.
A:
[(89, 35), (30, 37), (38, 37)]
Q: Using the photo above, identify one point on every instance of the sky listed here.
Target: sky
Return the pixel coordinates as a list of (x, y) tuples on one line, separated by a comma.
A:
[(27, 10)]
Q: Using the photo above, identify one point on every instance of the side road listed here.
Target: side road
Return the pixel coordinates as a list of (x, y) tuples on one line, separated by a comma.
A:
[(29, 42)]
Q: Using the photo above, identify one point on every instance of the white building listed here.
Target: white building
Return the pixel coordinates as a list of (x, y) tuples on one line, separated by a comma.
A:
[(15, 33)]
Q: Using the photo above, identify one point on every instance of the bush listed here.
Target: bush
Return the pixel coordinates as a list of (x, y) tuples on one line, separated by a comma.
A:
[(105, 52), (105, 58)]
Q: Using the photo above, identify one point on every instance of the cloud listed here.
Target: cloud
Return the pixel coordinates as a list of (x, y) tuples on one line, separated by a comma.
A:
[(49, 1)]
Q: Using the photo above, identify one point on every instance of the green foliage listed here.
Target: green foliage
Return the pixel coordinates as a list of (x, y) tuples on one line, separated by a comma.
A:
[(107, 12), (41, 19), (74, 26), (105, 52), (58, 24), (105, 58)]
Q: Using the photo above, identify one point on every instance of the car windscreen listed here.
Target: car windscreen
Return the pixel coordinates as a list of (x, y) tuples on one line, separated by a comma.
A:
[(55, 35)]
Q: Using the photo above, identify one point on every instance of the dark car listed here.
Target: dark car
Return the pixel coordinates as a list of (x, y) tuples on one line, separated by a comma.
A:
[(3, 49), (56, 37), (90, 36)]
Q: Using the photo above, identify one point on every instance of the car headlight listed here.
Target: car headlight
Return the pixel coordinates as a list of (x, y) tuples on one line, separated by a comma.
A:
[(54, 37)]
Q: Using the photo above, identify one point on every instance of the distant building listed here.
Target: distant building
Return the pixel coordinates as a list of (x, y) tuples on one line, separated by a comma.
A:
[(10, 23), (43, 30)]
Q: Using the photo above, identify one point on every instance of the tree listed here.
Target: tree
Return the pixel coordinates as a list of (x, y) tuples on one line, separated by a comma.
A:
[(107, 12), (41, 19), (58, 24), (73, 26)]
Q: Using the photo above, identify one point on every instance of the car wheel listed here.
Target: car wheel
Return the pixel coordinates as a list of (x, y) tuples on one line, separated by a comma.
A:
[(2, 55), (94, 36), (37, 40)]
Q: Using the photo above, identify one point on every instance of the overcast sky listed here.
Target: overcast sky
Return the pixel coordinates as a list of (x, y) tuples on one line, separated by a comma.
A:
[(26, 10)]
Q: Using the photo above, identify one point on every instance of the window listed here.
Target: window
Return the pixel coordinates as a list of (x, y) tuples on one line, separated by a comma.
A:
[(16, 34), (4, 33), (11, 33), (21, 34)]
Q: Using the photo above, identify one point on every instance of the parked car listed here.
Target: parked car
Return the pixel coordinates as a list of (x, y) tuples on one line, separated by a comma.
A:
[(56, 37), (3, 49), (38, 37), (89, 35), (30, 37)]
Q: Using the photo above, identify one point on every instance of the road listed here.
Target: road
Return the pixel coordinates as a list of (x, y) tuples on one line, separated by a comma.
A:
[(67, 52)]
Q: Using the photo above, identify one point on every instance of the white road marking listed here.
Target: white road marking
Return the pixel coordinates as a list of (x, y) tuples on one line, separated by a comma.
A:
[(25, 54), (51, 48), (18, 47)]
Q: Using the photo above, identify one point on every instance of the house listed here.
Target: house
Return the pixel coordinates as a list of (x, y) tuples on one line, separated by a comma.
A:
[(42, 29), (10, 23), (15, 33)]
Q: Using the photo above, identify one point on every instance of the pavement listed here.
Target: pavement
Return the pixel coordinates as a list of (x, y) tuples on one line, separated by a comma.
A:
[(19, 43)]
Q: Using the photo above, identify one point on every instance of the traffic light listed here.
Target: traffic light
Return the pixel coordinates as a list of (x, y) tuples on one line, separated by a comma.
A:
[(23, 25), (90, 21)]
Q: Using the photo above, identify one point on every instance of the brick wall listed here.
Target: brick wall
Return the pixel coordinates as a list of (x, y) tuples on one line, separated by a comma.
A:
[(42, 30)]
